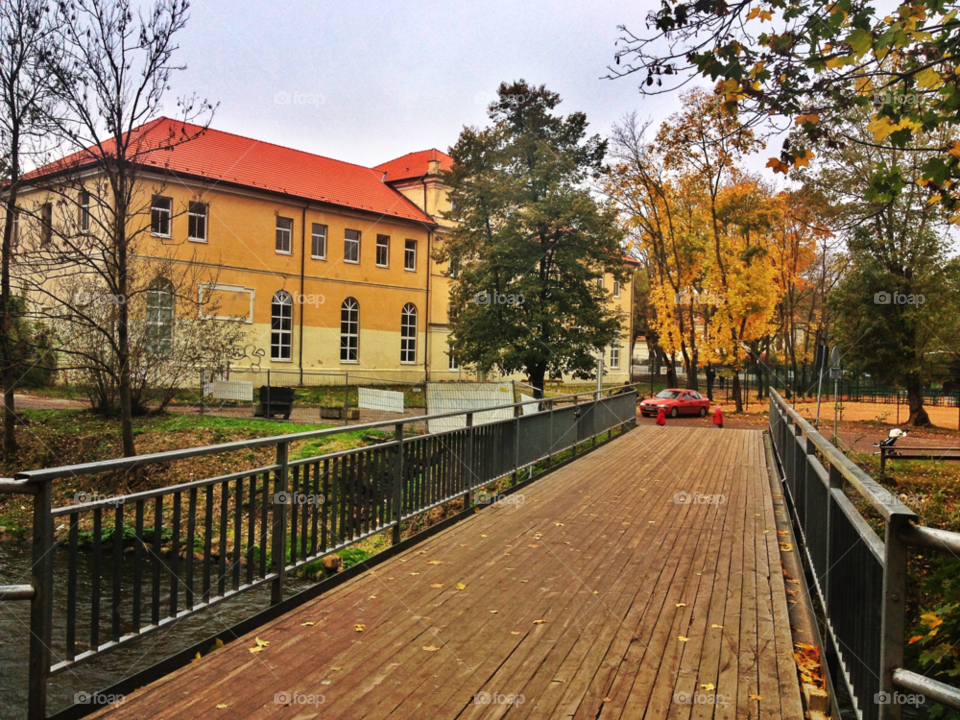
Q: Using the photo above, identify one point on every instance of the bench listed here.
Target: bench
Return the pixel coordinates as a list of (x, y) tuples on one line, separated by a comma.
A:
[(916, 453), (274, 401)]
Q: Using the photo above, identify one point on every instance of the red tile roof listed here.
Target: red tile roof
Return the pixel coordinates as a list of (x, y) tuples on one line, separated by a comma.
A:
[(413, 165), (228, 158)]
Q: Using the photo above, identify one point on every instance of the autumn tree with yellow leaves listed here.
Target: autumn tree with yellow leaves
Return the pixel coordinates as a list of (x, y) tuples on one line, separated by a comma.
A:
[(711, 236)]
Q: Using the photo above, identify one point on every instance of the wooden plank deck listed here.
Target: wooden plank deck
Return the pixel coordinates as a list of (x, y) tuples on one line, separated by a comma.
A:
[(599, 596)]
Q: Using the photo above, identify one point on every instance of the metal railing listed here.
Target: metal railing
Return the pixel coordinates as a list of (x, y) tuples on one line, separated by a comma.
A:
[(860, 578), (168, 553)]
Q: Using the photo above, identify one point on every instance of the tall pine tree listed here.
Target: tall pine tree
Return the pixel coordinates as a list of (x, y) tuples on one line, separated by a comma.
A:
[(532, 241)]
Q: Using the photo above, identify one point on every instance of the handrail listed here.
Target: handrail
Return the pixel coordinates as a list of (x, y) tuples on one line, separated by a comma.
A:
[(865, 617), (249, 528), (186, 453), (882, 500)]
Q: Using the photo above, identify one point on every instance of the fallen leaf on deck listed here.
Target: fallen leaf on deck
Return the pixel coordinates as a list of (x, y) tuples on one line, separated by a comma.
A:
[(373, 597), (524, 581), (222, 706), (434, 562), (559, 524), (539, 622), (786, 547), (681, 604), (514, 632), (708, 686), (198, 656), (756, 697), (461, 586), (338, 667), (430, 648), (261, 644), (608, 699), (681, 638), (720, 627), (494, 612), (437, 585), (483, 536), (533, 546), (359, 628), (307, 624), (421, 552), (414, 573)]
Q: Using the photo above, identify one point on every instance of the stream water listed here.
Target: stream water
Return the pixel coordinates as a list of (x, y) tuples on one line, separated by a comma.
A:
[(102, 672)]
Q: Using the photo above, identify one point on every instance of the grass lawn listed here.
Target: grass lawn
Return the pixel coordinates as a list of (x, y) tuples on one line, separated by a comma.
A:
[(54, 438)]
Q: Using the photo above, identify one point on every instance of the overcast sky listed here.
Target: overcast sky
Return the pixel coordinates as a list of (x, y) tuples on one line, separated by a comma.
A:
[(369, 81)]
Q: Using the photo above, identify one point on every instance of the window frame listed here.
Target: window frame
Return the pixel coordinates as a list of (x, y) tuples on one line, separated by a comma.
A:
[(156, 213), (408, 342), (357, 242), (313, 241), (289, 232), (616, 288), (453, 364), (158, 290), (84, 220), (406, 253), (383, 243), (281, 299), (355, 334), (615, 356), (191, 215), (46, 223)]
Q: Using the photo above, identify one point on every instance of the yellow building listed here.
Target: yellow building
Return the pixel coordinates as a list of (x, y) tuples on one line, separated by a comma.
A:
[(327, 263)]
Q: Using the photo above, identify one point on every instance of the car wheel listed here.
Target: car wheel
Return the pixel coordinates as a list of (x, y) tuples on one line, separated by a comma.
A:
[(703, 412), (674, 412)]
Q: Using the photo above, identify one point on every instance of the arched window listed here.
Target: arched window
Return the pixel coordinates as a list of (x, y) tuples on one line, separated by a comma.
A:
[(159, 339), (408, 334), (350, 331), (281, 325)]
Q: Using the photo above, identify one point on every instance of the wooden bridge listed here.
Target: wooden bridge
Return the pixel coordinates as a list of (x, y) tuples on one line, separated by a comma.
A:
[(641, 581)]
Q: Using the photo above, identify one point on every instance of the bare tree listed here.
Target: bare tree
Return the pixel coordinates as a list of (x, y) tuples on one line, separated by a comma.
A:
[(27, 115), (114, 72)]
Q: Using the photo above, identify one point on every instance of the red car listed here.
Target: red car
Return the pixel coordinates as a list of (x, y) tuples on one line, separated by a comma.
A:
[(677, 402)]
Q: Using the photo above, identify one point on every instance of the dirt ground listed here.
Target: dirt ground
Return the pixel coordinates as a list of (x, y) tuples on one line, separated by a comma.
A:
[(857, 434)]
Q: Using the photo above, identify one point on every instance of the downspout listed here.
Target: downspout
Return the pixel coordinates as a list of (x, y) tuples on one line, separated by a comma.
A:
[(426, 329), (303, 261)]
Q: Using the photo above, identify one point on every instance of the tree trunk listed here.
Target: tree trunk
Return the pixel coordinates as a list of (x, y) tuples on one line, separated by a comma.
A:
[(6, 325), (536, 374), (123, 337), (737, 394), (918, 415)]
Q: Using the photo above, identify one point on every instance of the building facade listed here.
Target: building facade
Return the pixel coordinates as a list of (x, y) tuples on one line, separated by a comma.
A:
[(328, 264)]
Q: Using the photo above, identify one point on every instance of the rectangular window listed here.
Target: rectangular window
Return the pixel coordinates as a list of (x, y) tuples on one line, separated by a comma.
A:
[(84, 211), (410, 255), (383, 251), (197, 222), (600, 283), (161, 214), (453, 364), (318, 242), (615, 357), (351, 246), (453, 269), (284, 236), (616, 288), (46, 223)]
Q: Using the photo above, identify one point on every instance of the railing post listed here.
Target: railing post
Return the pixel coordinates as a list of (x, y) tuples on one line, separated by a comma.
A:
[(280, 498), (576, 420), (550, 445), (883, 460), (468, 462), (397, 482), (892, 618), (346, 399), (517, 413), (41, 606)]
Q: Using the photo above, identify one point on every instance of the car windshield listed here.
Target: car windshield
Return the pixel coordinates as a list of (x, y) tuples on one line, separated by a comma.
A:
[(668, 394)]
